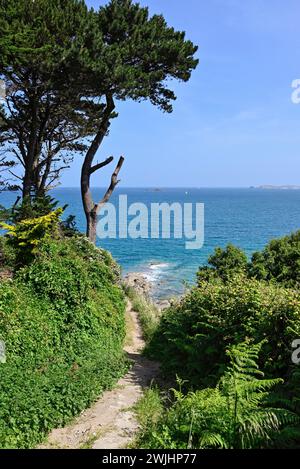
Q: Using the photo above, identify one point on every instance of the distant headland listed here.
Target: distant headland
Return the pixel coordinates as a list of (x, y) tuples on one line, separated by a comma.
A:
[(285, 187)]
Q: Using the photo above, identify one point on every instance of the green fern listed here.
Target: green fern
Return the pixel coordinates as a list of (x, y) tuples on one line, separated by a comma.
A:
[(234, 415)]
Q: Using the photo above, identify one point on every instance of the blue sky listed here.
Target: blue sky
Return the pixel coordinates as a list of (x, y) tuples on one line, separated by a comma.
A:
[(234, 123)]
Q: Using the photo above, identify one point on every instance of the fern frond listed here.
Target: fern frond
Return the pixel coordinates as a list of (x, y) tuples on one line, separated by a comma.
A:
[(212, 440)]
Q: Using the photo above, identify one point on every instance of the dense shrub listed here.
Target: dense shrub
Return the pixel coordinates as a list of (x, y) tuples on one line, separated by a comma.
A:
[(278, 262), (236, 414), (224, 264), (192, 337), (28, 208), (7, 254), (26, 236), (62, 320)]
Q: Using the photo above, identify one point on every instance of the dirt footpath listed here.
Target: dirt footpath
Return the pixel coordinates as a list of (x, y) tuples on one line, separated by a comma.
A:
[(110, 423)]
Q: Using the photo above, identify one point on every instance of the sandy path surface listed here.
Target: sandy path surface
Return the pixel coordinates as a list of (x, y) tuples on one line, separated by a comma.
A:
[(110, 423)]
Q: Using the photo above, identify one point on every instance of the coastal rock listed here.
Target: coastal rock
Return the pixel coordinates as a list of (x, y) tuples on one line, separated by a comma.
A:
[(139, 282), (162, 304)]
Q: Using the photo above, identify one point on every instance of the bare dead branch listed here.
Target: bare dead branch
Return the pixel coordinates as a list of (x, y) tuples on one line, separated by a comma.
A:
[(101, 165), (114, 182)]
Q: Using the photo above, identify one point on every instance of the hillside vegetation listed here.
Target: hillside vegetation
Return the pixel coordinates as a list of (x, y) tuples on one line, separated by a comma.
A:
[(193, 337), (238, 413), (229, 342), (62, 321)]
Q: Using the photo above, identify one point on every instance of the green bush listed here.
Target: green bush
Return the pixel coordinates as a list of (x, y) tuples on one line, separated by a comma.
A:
[(192, 337), (7, 254), (62, 320), (224, 264), (26, 236), (279, 261), (236, 414), (29, 208)]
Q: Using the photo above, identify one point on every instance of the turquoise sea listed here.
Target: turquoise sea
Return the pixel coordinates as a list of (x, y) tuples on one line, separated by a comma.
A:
[(248, 218)]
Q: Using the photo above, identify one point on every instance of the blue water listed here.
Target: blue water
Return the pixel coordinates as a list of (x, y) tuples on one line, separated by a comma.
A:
[(248, 218)]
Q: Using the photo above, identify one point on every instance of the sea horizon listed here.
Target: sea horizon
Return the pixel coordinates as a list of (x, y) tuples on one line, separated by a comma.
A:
[(245, 217), (261, 186)]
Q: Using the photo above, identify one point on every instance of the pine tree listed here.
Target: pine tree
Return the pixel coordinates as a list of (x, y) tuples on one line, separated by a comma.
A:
[(134, 57), (45, 116), (65, 67)]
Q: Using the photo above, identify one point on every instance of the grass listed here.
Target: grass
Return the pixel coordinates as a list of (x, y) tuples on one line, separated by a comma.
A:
[(148, 411), (92, 438), (149, 314), (130, 328), (149, 408)]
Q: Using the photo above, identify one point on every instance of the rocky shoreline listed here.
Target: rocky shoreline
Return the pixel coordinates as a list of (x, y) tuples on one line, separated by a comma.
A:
[(140, 283)]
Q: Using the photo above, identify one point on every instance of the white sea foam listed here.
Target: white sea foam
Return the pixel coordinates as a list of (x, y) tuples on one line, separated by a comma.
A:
[(155, 271), (159, 265), (150, 278)]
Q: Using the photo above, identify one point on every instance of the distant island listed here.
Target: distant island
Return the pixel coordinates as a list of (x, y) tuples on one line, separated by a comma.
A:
[(286, 187)]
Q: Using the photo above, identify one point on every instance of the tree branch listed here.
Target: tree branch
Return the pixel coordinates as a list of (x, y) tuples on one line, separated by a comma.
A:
[(15, 175), (87, 199), (56, 175), (101, 165), (114, 182), (14, 151)]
